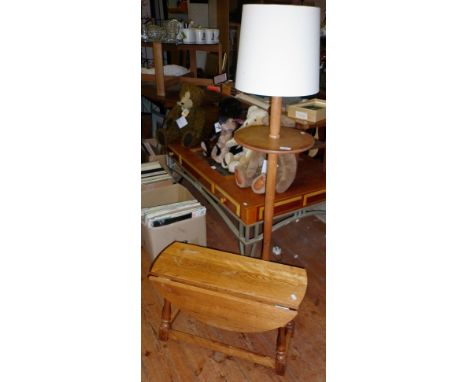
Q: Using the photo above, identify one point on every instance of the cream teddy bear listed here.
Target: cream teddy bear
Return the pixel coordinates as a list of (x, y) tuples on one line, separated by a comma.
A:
[(255, 116), (248, 163)]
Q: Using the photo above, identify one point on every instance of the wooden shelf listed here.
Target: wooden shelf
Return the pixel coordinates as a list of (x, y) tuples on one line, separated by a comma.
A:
[(290, 141)]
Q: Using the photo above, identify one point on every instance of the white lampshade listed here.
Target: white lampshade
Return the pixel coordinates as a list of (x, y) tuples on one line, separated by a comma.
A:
[(279, 50)]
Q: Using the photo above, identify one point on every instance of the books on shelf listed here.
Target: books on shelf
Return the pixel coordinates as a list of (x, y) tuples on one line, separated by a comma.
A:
[(152, 172), (171, 213)]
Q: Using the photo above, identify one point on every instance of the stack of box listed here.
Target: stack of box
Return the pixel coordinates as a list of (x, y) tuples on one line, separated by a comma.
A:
[(169, 212)]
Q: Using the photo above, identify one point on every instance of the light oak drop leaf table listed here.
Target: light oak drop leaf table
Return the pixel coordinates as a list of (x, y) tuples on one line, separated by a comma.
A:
[(231, 292)]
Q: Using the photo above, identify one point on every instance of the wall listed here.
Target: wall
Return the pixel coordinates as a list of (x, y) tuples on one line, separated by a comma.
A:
[(198, 12)]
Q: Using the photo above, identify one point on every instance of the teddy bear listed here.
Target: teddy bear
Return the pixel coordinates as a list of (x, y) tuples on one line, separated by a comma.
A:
[(255, 116), (219, 150), (285, 175), (250, 174), (247, 165), (185, 122), (230, 115)]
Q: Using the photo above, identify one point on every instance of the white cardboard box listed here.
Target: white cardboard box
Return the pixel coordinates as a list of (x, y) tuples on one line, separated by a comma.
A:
[(155, 239), (313, 110)]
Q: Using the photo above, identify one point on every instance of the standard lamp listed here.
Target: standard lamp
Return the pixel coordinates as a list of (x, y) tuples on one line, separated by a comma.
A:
[(279, 56)]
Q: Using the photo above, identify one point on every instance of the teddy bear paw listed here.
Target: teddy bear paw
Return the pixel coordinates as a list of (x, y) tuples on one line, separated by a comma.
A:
[(204, 148), (226, 160), (232, 166), (258, 184), (241, 179)]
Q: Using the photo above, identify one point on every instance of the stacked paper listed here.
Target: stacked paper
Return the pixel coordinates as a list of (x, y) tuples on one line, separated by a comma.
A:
[(153, 172), (170, 213)]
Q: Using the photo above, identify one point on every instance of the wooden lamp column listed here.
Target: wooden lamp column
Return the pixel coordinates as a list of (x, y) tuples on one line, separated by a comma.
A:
[(275, 125), (268, 140)]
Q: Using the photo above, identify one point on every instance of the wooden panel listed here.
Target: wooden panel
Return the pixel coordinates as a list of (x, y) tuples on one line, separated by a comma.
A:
[(249, 215), (199, 175), (314, 197), (227, 200), (284, 206), (240, 276), (222, 310)]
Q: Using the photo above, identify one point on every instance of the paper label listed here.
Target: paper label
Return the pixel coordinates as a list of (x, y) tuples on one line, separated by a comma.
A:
[(181, 122), (220, 78), (264, 166), (301, 114), (217, 127), (285, 148)]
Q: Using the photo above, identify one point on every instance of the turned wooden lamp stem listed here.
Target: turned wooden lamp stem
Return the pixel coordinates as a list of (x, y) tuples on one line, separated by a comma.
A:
[(275, 125)]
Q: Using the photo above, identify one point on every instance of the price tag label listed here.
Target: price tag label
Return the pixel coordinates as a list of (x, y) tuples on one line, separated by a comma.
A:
[(181, 122), (217, 127), (264, 166), (220, 78), (301, 115)]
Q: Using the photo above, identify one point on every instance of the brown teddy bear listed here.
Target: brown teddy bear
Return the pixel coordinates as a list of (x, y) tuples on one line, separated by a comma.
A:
[(285, 175), (185, 122)]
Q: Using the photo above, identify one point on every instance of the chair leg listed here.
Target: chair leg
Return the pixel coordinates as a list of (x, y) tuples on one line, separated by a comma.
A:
[(165, 321)]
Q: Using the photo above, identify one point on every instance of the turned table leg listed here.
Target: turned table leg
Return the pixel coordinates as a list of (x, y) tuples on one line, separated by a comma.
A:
[(280, 361), (165, 321), (282, 343), (290, 329)]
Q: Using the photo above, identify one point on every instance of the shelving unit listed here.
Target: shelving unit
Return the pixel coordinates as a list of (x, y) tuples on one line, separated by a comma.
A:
[(162, 81)]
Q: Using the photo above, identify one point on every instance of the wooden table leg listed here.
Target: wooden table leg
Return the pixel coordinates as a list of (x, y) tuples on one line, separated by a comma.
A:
[(280, 361), (282, 344), (290, 329), (165, 321)]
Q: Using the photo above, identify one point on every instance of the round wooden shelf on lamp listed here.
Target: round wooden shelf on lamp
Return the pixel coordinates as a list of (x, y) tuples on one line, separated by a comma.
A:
[(274, 141), (258, 138)]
